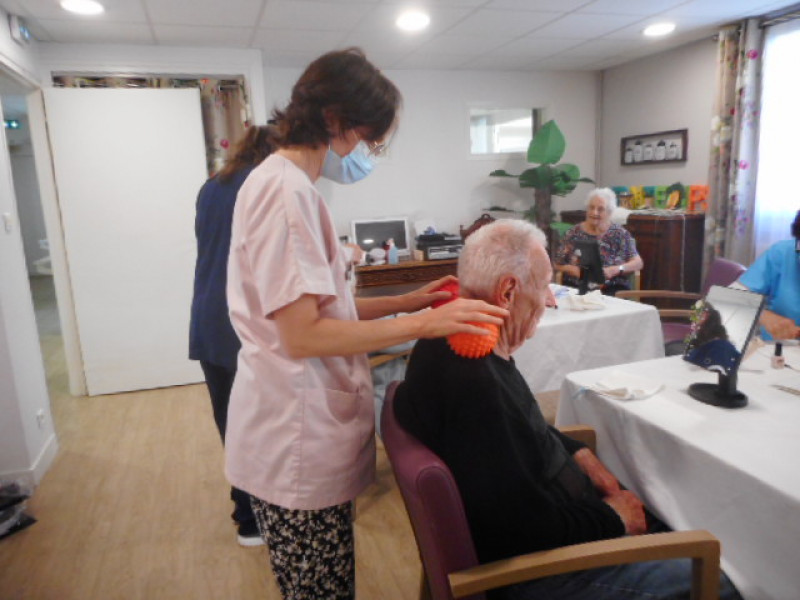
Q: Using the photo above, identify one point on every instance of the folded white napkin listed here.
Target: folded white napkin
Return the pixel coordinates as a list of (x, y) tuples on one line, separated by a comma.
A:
[(625, 386), (560, 290), (589, 301)]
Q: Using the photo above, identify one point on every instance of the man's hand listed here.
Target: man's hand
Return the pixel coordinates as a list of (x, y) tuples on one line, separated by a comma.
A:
[(602, 479), (630, 510)]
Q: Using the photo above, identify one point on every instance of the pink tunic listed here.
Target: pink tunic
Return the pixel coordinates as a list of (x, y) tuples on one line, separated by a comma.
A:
[(300, 432)]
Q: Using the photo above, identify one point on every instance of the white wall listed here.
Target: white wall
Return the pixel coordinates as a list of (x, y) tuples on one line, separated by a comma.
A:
[(26, 449), (429, 173), (672, 90)]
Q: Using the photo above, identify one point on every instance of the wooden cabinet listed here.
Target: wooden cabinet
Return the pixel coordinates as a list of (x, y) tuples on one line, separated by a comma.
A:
[(671, 246), (387, 280)]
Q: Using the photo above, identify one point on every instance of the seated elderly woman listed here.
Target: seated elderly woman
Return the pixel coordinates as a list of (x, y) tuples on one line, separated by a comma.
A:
[(617, 246), (525, 486), (776, 274)]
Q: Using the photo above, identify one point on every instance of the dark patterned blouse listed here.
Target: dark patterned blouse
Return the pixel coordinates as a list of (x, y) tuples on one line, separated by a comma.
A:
[(617, 246)]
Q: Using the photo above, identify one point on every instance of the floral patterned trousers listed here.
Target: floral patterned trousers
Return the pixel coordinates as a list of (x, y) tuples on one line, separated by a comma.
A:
[(311, 551)]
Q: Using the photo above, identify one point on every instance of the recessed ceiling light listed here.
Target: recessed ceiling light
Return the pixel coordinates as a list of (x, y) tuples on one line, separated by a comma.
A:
[(413, 20), (82, 7), (659, 29)]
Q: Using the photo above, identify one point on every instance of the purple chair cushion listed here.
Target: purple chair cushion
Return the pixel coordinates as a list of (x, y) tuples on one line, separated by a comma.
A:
[(674, 331)]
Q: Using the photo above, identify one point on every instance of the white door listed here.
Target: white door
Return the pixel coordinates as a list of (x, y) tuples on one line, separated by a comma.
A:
[(128, 165)]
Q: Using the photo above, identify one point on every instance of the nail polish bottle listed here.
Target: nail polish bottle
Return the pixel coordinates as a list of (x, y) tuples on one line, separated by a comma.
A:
[(778, 361)]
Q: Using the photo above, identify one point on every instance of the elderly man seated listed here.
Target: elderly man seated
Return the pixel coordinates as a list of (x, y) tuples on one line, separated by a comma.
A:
[(525, 486)]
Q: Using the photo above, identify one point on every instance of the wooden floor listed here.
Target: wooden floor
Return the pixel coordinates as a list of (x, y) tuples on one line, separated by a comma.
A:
[(136, 506)]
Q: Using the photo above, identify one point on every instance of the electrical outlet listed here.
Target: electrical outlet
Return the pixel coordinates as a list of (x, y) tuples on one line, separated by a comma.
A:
[(40, 418)]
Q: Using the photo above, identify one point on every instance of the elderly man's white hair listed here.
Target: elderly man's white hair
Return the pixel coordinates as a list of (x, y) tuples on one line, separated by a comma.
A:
[(495, 250), (607, 195)]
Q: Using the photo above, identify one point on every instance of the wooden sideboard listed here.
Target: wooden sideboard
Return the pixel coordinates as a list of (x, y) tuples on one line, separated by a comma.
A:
[(388, 280), (671, 246)]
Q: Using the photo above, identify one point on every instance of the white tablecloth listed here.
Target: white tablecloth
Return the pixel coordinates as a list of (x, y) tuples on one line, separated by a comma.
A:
[(732, 472), (568, 340)]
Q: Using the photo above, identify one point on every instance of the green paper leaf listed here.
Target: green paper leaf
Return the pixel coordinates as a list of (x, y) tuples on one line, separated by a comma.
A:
[(548, 145), (501, 173), (539, 177), (569, 171)]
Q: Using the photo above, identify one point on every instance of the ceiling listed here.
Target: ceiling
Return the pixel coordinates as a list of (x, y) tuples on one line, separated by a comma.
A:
[(464, 34)]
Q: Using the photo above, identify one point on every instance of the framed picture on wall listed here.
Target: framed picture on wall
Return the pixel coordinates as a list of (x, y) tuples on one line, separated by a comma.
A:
[(652, 148)]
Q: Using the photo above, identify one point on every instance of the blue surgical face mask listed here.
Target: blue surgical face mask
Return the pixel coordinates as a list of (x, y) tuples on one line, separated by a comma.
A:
[(348, 169)]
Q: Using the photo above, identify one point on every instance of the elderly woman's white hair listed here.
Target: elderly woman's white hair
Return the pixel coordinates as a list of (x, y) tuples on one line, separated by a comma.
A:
[(497, 249), (607, 195)]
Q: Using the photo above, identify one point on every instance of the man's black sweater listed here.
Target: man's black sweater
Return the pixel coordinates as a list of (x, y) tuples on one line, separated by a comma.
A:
[(522, 490)]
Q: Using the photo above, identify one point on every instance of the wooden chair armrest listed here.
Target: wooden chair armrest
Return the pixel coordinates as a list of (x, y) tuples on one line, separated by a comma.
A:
[(702, 547), (581, 433), (681, 313), (639, 294)]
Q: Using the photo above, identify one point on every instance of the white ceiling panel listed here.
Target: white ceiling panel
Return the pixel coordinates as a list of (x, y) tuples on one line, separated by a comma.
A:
[(683, 26), (115, 10), (733, 8), (97, 32), (429, 61), (585, 26), (493, 62), (310, 43), (511, 23), (538, 5), (492, 34), (628, 7), (393, 43), (225, 13), (535, 47), (599, 49), (187, 35), (314, 14), (460, 44), (381, 20)]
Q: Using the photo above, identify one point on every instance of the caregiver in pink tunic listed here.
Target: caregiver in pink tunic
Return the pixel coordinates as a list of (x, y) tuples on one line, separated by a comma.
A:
[(300, 434)]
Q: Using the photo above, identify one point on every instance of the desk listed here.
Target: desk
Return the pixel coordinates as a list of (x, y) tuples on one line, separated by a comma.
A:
[(732, 472), (568, 340)]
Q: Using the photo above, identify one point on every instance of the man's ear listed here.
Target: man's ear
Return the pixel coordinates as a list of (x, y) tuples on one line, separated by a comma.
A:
[(506, 291)]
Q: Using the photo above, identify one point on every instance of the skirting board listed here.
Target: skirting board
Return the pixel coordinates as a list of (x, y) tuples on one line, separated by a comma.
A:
[(32, 476)]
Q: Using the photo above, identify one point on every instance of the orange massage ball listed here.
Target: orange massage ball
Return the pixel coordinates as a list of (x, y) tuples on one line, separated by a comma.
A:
[(472, 345), (451, 287)]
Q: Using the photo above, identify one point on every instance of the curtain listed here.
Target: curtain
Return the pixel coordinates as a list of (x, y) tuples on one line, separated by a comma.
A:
[(734, 145), (223, 102), (776, 201)]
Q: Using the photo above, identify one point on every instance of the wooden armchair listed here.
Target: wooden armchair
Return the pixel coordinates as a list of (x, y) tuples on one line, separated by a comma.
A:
[(450, 565), (635, 279), (675, 321)]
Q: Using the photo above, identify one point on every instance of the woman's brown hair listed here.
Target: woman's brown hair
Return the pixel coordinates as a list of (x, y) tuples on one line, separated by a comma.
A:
[(256, 145), (344, 85)]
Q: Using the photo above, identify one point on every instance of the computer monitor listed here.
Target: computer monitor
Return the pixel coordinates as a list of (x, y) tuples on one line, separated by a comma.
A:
[(590, 263), (723, 323), (373, 233)]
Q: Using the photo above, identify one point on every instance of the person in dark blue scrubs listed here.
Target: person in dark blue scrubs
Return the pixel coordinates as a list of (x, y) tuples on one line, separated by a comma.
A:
[(212, 340)]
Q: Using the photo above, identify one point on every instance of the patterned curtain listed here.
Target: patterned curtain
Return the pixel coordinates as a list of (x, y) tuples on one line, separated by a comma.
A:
[(734, 145), (223, 103)]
